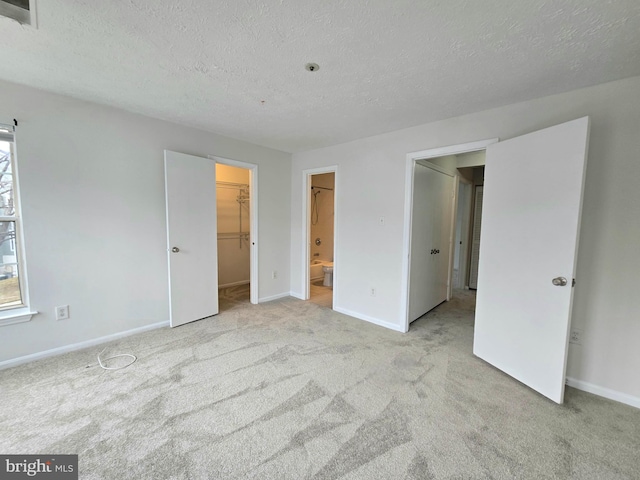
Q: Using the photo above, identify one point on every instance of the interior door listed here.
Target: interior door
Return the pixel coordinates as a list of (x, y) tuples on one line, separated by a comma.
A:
[(430, 240), (190, 184), (530, 225), (444, 239)]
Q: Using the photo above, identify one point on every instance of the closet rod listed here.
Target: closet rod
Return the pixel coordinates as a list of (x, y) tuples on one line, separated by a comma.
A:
[(232, 185)]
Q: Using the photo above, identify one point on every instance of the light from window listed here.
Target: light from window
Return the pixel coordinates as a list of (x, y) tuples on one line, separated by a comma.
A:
[(10, 291)]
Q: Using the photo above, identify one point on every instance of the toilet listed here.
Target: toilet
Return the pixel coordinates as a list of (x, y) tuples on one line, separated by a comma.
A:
[(328, 274)]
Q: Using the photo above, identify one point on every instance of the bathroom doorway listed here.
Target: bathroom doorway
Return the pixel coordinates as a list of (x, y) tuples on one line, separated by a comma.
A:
[(320, 232)]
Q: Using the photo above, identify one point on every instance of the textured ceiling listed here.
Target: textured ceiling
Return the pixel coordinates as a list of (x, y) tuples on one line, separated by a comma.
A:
[(236, 67)]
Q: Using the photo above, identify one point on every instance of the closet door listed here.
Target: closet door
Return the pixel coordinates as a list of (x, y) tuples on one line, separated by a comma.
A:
[(430, 240), (442, 238), (422, 259)]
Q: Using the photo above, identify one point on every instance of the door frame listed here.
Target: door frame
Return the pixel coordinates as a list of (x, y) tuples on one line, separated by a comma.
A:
[(306, 226), (253, 220), (411, 159)]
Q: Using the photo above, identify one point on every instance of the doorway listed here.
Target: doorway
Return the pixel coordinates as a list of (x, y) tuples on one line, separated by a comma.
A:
[(436, 178), (468, 224), (522, 321), (234, 231), (319, 266), (448, 162), (237, 215), (321, 226)]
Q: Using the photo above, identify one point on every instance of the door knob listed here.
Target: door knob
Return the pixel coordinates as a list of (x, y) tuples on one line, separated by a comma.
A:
[(559, 281), (176, 250)]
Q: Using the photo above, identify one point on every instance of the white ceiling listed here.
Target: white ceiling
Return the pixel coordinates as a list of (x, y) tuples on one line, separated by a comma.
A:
[(384, 64)]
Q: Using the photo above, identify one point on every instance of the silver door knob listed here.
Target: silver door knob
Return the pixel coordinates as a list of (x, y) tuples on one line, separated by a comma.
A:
[(176, 250), (559, 281)]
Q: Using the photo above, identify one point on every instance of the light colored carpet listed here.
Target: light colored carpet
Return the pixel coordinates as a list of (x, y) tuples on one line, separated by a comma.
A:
[(291, 390)]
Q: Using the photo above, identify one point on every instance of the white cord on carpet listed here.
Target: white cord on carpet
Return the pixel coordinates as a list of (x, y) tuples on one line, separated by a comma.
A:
[(116, 356)]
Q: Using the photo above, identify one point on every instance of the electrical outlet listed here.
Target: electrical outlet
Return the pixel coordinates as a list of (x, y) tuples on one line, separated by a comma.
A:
[(576, 336), (62, 312), (372, 291), (274, 274)]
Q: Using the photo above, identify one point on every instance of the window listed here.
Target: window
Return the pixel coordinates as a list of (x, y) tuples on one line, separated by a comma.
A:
[(11, 295), (21, 10)]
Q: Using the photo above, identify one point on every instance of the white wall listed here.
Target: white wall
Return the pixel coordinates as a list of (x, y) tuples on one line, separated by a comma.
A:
[(92, 188), (234, 262), (371, 184)]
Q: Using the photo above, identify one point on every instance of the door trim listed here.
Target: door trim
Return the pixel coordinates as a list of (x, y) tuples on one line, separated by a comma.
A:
[(253, 220), (410, 162), (306, 225)]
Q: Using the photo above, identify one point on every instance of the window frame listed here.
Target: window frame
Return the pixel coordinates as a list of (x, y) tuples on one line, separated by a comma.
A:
[(18, 313), (19, 14)]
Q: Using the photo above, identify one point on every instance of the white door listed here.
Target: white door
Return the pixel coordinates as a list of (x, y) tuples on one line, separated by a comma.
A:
[(444, 236), (530, 225), (430, 240), (190, 184)]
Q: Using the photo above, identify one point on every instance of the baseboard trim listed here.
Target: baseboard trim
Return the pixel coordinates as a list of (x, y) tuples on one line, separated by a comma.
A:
[(234, 284), (273, 297), (14, 362), (297, 295), (367, 318), (604, 392)]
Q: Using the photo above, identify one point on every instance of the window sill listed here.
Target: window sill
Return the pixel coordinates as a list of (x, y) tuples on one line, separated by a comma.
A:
[(21, 315)]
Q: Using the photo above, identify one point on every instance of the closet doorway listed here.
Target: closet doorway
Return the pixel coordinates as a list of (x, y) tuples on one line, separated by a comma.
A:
[(236, 208)]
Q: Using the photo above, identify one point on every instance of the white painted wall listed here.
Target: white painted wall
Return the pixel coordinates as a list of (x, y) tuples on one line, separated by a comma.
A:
[(372, 185), (92, 188)]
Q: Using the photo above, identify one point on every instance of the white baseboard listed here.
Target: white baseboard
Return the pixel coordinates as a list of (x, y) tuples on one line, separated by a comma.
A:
[(604, 392), (367, 318), (233, 284), (273, 297), (297, 295), (14, 362)]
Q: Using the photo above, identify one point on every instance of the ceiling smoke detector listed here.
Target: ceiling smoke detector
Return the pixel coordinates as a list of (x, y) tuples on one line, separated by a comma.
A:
[(312, 67)]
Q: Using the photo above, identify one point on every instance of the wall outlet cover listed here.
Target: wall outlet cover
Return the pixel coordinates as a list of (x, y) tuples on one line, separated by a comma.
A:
[(575, 336), (62, 312)]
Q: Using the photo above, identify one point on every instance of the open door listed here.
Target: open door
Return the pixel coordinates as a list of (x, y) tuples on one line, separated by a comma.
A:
[(190, 184), (529, 242)]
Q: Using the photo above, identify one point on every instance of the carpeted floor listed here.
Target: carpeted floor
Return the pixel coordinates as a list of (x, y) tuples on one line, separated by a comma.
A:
[(291, 390)]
